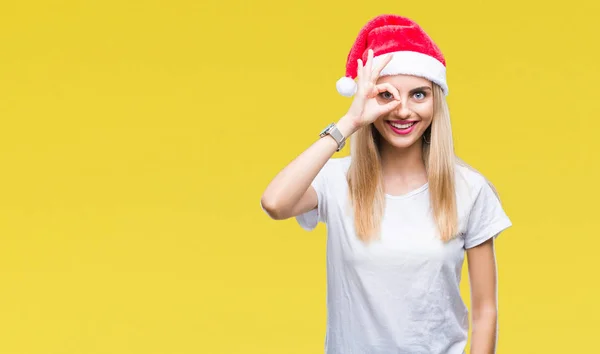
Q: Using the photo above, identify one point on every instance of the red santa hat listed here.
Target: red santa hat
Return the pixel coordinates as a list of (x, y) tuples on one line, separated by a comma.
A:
[(414, 53)]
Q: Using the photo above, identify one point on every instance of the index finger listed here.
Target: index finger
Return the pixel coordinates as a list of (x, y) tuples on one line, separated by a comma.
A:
[(385, 61), (389, 88)]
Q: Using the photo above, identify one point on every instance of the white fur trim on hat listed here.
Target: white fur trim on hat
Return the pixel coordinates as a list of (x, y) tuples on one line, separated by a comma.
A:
[(417, 64)]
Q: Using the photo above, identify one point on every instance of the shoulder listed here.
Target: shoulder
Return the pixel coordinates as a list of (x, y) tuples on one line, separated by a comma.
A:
[(469, 175), (470, 182), (332, 172), (337, 165), (480, 208)]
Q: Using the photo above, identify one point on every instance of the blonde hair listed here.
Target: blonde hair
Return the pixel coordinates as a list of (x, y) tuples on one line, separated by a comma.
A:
[(365, 180)]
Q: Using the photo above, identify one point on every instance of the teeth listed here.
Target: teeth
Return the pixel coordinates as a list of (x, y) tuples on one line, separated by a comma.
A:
[(402, 126)]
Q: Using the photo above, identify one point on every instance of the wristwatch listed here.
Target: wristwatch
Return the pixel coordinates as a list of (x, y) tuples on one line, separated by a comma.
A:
[(332, 130)]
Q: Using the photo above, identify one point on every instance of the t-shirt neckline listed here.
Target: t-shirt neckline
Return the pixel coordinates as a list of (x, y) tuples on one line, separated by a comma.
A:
[(408, 194)]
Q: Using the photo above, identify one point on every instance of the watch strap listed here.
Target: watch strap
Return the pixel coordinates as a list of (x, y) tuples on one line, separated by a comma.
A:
[(335, 133)]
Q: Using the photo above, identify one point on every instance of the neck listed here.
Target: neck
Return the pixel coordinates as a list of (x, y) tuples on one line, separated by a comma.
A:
[(405, 165)]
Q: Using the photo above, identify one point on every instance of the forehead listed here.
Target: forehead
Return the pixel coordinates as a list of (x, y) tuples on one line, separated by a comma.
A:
[(404, 81)]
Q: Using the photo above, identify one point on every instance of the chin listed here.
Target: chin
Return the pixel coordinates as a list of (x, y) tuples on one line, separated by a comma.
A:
[(402, 143)]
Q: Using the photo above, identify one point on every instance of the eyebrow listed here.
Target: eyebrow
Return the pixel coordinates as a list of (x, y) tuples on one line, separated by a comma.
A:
[(422, 88)]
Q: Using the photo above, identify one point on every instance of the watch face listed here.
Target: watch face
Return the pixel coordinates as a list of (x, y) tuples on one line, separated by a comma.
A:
[(327, 128)]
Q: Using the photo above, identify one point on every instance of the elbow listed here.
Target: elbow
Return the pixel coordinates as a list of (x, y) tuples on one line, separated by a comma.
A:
[(271, 208), (485, 312)]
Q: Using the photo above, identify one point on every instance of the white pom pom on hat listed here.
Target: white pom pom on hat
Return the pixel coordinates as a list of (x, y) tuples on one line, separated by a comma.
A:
[(414, 53), (346, 86)]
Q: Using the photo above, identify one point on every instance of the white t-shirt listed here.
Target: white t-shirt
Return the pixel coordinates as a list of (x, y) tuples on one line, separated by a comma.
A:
[(399, 294)]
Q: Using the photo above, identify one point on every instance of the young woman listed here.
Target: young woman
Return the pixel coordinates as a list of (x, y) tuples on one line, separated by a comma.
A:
[(401, 211)]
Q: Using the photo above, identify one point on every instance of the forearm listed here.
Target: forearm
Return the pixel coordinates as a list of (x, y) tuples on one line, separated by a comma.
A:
[(290, 184), (483, 336)]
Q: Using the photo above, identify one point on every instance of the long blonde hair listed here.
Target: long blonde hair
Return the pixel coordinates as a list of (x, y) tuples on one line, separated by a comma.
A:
[(365, 180)]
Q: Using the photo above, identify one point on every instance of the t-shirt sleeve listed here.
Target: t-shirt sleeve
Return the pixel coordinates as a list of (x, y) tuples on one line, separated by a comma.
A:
[(310, 219), (486, 219)]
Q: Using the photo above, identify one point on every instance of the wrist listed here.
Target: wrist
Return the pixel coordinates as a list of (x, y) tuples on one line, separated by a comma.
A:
[(346, 126)]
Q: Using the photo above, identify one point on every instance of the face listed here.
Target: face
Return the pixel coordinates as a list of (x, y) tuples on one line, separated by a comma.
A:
[(404, 126)]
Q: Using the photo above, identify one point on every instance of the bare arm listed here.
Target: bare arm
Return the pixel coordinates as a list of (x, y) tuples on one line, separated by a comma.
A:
[(482, 274), (290, 194)]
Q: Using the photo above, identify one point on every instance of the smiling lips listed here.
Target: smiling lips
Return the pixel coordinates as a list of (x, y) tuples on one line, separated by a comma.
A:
[(402, 128)]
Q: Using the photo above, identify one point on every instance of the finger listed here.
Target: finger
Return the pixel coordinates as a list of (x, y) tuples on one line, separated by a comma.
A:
[(360, 69), (389, 88), (379, 67), (369, 65), (390, 106)]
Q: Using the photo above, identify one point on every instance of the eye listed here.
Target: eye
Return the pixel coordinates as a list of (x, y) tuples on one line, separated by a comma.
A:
[(419, 95), (386, 95)]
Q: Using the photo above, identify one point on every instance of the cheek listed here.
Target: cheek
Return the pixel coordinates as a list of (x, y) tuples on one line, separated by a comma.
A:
[(425, 111)]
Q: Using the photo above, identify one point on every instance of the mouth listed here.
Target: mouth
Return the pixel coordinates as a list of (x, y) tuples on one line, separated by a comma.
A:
[(402, 128)]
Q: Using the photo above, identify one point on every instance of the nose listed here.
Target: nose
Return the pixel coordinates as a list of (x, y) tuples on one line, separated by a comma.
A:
[(403, 111)]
